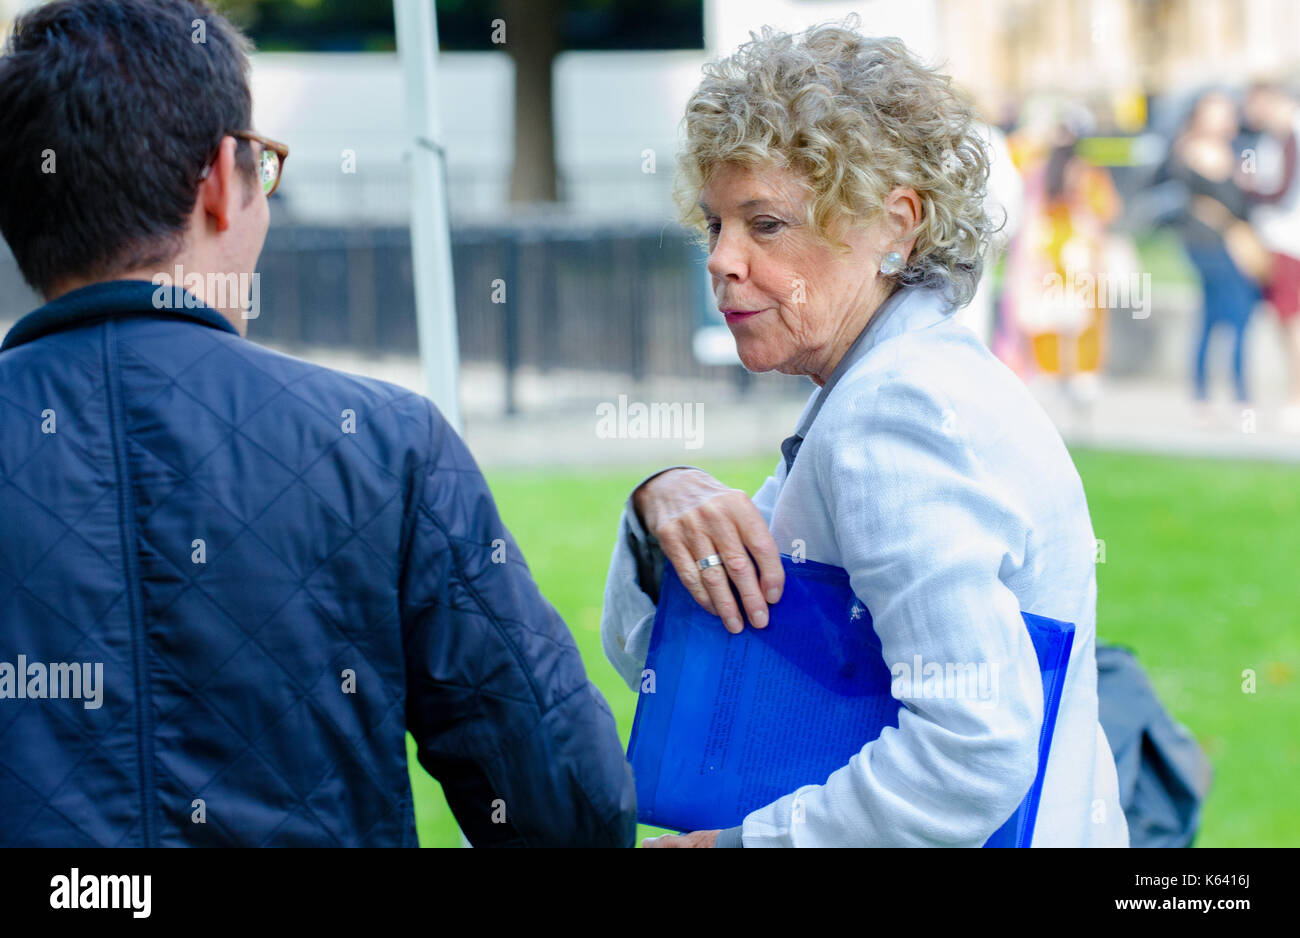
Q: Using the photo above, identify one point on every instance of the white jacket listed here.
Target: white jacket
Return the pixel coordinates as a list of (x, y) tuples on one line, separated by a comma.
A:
[(1278, 224), (933, 476)]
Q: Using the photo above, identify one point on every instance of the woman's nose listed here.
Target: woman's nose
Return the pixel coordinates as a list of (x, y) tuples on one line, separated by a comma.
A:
[(727, 260)]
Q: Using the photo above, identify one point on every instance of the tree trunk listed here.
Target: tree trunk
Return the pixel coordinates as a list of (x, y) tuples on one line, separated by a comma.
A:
[(532, 36)]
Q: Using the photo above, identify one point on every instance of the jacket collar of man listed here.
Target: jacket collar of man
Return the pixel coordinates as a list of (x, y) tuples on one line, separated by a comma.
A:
[(111, 299)]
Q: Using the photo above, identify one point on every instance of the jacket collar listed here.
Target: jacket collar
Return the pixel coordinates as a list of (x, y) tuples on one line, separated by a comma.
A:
[(908, 308), (112, 299)]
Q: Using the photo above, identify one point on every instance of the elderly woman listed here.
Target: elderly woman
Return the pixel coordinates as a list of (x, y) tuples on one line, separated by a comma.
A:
[(841, 186)]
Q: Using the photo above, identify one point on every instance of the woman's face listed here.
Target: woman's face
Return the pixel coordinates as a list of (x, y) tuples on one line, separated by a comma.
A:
[(793, 302), (1216, 116)]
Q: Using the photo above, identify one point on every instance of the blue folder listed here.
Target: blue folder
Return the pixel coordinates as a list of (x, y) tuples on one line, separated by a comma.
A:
[(726, 724)]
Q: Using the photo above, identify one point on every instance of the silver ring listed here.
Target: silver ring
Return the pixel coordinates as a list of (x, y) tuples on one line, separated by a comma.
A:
[(713, 560)]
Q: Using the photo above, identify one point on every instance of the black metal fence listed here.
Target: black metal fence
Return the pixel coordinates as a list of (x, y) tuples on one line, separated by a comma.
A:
[(546, 295)]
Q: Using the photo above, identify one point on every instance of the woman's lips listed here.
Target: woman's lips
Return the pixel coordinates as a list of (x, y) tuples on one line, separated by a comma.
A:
[(739, 315)]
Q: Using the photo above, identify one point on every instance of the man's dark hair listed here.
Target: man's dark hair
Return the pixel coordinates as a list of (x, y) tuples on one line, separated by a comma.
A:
[(109, 112)]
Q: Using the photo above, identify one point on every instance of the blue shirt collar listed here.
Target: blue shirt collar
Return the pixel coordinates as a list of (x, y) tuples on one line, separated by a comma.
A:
[(111, 299)]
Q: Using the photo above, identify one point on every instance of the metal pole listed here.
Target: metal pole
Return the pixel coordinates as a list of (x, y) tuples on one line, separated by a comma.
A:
[(510, 322), (435, 296)]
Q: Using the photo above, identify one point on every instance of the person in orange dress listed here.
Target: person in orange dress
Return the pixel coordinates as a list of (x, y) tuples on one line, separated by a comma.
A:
[(1079, 203)]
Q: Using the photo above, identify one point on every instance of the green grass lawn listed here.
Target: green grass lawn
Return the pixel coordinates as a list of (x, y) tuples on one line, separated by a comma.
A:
[(1200, 578)]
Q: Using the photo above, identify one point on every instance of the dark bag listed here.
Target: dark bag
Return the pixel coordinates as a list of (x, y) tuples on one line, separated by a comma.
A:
[(1164, 775)]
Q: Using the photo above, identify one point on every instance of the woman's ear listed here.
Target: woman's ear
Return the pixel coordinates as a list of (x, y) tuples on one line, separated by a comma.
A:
[(902, 215)]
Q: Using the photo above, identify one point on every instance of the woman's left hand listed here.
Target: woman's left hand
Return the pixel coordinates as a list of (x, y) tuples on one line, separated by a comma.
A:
[(694, 839), (694, 516)]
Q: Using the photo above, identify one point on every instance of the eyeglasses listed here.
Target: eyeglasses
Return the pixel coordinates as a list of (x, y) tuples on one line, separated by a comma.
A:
[(270, 164)]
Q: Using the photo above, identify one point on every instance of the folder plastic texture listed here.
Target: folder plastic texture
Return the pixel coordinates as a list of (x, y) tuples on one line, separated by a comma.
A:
[(726, 724)]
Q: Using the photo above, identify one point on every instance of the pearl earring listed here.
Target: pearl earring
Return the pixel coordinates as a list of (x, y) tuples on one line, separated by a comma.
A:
[(891, 263)]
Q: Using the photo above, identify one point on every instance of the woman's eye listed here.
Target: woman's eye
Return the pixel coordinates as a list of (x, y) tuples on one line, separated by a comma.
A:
[(714, 227), (768, 226)]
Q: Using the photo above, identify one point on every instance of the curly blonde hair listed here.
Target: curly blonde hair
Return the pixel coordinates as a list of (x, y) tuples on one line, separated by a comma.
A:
[(854, 117)]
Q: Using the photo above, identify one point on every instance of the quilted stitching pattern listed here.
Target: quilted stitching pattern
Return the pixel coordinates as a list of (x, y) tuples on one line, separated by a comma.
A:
[(325, 550)]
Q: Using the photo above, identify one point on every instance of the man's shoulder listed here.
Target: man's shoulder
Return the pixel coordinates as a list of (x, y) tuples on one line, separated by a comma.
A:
[(310, 374), (393, 413), (265, 391)]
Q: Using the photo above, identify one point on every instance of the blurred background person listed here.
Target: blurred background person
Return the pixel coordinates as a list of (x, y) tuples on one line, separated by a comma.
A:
[(1272, 115), (1213, 227), (1061, 258), (1004, 205)]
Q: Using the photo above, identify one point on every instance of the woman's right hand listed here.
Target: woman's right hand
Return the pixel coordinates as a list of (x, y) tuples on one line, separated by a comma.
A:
[(694, 516)]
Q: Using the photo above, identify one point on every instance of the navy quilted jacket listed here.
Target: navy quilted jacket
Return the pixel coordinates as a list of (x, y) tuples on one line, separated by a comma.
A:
[(279, 569)]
